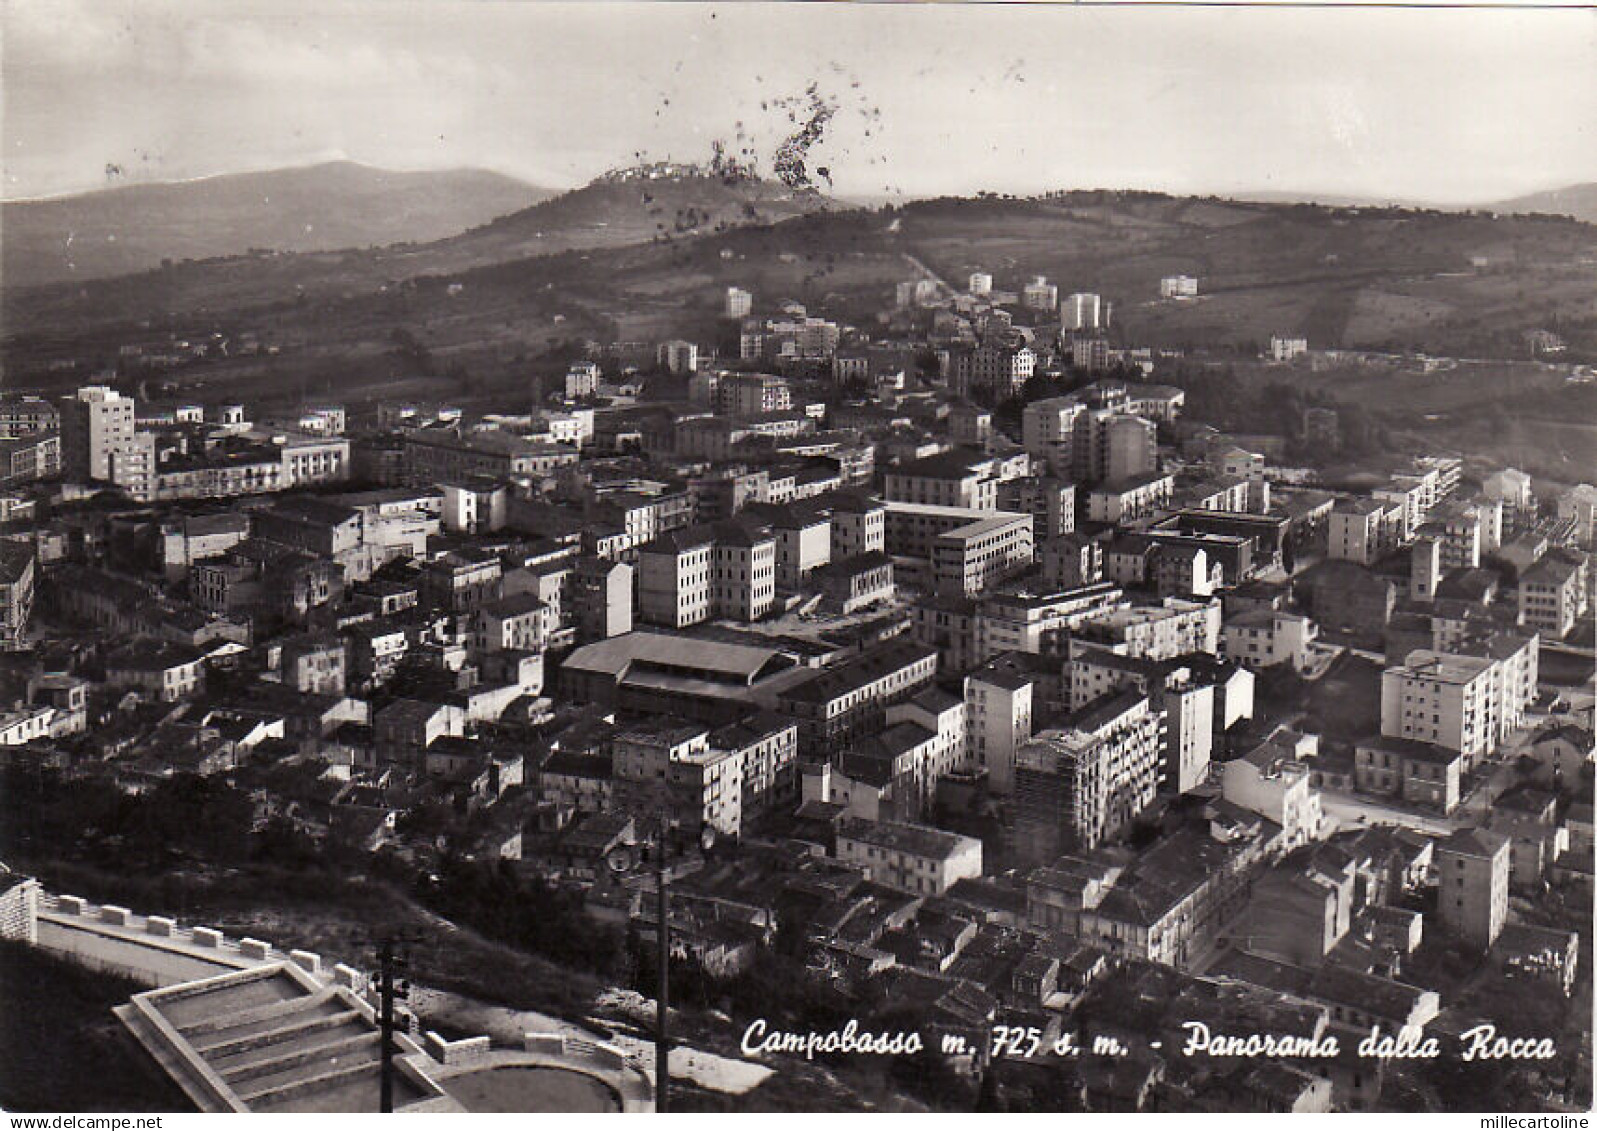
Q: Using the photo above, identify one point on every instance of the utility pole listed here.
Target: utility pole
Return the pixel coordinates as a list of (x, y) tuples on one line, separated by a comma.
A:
[(388, 990), (662, 1047), (385, 988)]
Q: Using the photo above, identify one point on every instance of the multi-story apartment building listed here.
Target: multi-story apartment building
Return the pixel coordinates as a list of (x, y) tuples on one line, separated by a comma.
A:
[(310, 461), (1083, 311), (1069, 561), (753, 394), (1578, 505), (436, 456), (1274, 781), (1421, 773), (973, 558), (999, 709), (1360, 530), (743, 571), (1051, 502), (837, 704), (582, 380), (738, 303), (1183, 693), (999, 369), (29, 458), (1040, 294), (1516, 659), (674, 577), (17, 572), (767, 746), (1048, 432), (1512, 488), (463, 581), (314, 664), (702, 785), (1263, 638), (164, 672), (1130, 448), (1082, 784), (517, 623), (953, 479), (1022, 622), (1555, 592), (1449, 700), (601, 597), (1127, 500), (859, 526), (910, 858), (678, 357), (1472, 873), (1090, 353), (1174, 627), (95, 424), (695, 574), (25, 416)]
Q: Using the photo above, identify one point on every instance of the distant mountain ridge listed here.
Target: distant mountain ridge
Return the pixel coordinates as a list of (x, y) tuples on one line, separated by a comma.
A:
[(322, 207), (1576, 201), (1579, 201)]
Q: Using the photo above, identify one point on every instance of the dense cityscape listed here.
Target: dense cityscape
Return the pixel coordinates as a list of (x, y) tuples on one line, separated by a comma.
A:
[(954, 676), (731, 558)]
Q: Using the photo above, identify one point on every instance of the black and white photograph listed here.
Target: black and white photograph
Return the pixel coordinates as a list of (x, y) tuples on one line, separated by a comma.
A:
[(724, 558)]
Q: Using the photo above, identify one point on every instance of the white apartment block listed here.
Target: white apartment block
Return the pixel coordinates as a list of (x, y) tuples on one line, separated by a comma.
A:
[(1555, 592), (1449, 700), (738, 303), (95, 423), (1048, 432), (1579, 504), (998, 714), (1082, 311), (1172, 628), (743, 574), (1263, 638), (674, 578), (1127, 500), (582, 380), (1285, 349), (703, 787), (948, 480), (1084, 783), (1040, 294), (1361, 530)]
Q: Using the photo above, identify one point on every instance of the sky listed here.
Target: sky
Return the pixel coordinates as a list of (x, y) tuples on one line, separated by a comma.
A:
[(1447, 106)]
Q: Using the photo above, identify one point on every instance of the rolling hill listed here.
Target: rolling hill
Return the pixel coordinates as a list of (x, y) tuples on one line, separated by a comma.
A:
[(319, 207), (1460, 284), (1579, 201), (608, 213)]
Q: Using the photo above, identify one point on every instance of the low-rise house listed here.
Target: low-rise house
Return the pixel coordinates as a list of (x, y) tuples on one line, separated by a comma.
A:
[(1263, 638), (851, 585), (1559, 754), (166, 672), (910, 858), (1421, 773)]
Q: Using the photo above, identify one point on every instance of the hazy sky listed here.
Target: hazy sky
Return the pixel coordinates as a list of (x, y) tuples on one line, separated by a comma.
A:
[(1442, 105)]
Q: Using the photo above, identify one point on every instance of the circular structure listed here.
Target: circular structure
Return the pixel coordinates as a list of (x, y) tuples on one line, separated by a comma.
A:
[(516, 1088)]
